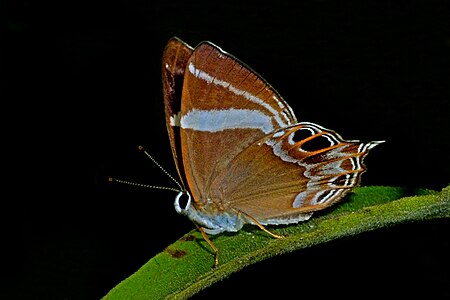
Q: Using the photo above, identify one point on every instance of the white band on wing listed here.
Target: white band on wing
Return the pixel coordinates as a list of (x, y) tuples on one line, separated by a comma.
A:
[(218, 120)]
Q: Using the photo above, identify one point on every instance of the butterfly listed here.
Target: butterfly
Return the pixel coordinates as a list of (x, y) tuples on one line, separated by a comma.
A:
[(241, 154)]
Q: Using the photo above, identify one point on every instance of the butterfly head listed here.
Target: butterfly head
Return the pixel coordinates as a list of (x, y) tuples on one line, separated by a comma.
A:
[(183, 203)]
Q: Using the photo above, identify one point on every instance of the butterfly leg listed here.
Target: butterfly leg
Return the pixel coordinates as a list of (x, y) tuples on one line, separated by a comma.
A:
[(213, 247), (261, 226)]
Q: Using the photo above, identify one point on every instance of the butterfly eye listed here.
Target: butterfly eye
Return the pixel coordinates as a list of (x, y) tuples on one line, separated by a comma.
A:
[(182, 202)]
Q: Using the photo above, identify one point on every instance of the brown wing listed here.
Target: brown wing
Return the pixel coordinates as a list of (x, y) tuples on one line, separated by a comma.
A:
[(225, 108), (174, 61), (293, 171)]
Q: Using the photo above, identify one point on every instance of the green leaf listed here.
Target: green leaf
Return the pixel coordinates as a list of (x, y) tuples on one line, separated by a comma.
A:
[(185, 267)]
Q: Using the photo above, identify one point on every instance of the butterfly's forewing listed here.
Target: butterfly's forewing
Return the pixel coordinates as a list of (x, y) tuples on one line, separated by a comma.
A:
[(174, 61), (225, 108)]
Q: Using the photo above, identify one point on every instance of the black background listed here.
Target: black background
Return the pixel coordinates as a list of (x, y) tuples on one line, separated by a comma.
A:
[(84, 90)]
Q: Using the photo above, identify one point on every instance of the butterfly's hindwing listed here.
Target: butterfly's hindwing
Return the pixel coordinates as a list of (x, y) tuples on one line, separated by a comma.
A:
[(280, 179)]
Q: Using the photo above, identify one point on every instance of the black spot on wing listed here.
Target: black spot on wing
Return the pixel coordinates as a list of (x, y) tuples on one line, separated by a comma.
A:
[(301, 135), (317, 143)]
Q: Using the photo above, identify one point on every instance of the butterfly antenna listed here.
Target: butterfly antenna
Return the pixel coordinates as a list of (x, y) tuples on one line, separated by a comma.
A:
[(162, 169), (142, 185)]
